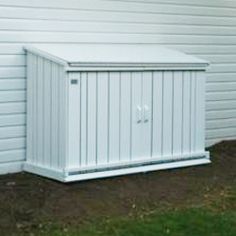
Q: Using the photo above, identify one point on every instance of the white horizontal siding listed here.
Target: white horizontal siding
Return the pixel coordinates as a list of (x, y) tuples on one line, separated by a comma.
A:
[(12, 143), (106, 27), (12, 96), (199, 27), (12, 72), (12, 108), (13, 119), (12, 60), (81, 37), (12, 84), (12, 132), (12, 155), (221, 114)]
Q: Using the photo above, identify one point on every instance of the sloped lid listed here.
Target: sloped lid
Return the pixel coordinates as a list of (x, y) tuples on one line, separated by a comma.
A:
[(89, 54)]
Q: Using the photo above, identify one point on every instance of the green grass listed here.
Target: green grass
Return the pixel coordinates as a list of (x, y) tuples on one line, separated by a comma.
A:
[(192, 221), (216, 217)]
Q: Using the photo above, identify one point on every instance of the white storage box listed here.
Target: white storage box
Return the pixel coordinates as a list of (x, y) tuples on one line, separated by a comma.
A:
[(105, 110)]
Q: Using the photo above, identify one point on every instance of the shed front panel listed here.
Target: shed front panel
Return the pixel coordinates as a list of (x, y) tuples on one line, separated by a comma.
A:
[(121, 117)]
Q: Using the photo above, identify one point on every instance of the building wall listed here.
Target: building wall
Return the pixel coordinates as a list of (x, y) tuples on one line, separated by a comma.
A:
[(206, 28)]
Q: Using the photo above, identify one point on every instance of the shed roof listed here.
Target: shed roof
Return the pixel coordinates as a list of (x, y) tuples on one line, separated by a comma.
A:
[(111, 54)]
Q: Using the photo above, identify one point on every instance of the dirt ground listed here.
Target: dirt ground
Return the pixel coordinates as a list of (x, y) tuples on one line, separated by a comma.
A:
[(28, 201)]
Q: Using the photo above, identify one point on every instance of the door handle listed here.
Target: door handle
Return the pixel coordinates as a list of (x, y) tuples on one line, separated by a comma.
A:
[(138, 114), (146, 113)]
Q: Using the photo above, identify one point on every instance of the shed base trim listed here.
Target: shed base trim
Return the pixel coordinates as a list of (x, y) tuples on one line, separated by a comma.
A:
[(44, 171), (67, 177)]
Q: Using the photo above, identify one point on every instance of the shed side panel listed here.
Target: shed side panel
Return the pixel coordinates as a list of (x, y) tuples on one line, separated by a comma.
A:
[(46, 93)]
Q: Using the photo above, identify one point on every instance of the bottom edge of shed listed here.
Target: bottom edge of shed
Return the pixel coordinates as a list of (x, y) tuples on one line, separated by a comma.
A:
[(62, 176)]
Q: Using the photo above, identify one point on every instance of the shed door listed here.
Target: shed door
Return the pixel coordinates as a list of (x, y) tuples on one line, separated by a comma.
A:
[(141, 115), (111, 114)]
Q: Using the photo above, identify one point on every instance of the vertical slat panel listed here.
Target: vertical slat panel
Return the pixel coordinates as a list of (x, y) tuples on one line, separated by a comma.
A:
[(193, 111), (40, 110), (167, 113), (92, 116), (35, 145), (102, 116), (146, 134), (30, 106), (54, 117), (83, 125), (57, 104), (200, 112), (66, 118), (58, 114), (157, 135), (186, 111), (62, 116), (114, 121), (177, 113), (74, 120), (47, 112), (125, 117), (136, 135)]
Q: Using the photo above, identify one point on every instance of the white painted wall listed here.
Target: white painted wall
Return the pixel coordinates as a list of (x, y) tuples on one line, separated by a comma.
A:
[(206, 28)]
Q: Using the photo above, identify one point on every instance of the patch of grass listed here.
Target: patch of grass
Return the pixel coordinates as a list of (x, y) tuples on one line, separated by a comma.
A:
[(215, 217), (193, 221)]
